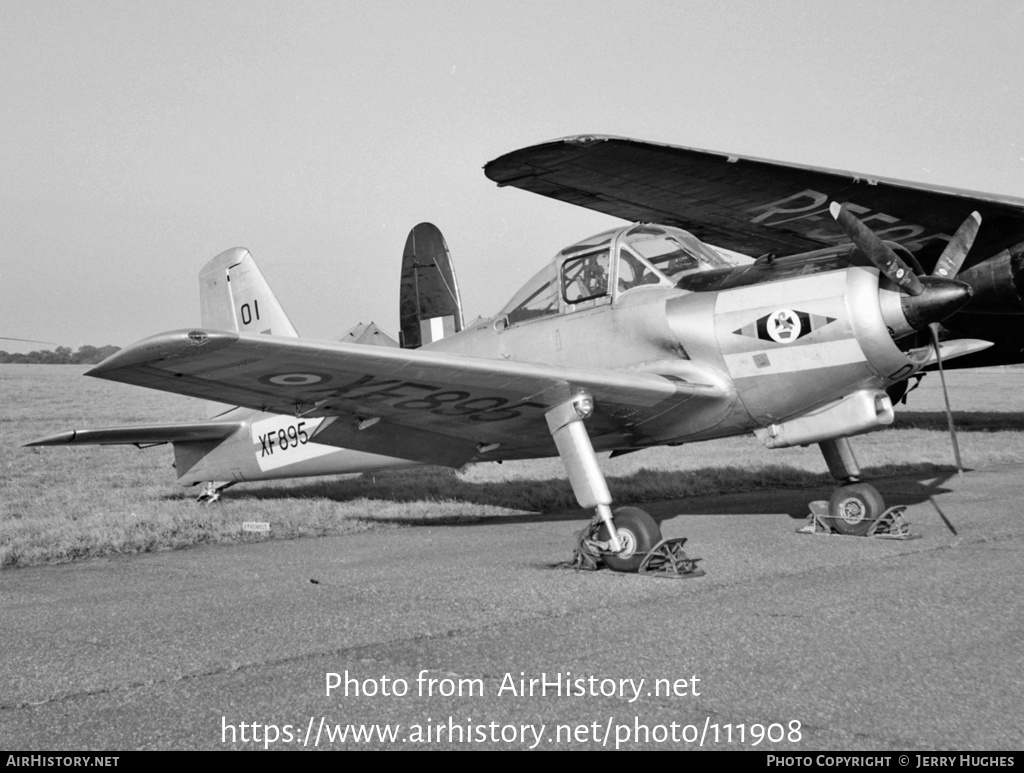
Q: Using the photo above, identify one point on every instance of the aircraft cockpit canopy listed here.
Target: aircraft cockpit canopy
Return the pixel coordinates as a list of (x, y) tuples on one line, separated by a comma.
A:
[(611, 264), (672, 251), (537, 298)]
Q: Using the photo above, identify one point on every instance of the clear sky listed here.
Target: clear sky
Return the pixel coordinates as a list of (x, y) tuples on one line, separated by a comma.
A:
[(138, 139)]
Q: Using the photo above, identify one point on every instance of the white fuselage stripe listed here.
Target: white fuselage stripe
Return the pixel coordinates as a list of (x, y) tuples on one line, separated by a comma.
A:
[(795, 358), (283, 440), (787, 292)]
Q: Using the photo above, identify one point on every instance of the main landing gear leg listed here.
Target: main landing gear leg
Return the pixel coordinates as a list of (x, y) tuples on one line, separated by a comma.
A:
[(565, 422), (626, 540), (855, 508)]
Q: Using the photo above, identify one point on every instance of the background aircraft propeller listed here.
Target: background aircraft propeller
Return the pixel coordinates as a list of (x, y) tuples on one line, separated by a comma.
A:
[(27, 340), (877, 251), (949, 263), (952, 258), (893, 267)]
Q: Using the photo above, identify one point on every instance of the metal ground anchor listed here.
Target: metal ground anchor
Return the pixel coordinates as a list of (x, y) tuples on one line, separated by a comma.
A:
[(667, 559)]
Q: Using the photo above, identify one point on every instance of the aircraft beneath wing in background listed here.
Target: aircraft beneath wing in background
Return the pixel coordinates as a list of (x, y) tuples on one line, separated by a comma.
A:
[(640, 336), (765, 208)]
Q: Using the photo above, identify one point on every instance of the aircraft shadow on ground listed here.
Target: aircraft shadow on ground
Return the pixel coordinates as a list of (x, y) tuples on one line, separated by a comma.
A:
[(665, 494), (965, 421)]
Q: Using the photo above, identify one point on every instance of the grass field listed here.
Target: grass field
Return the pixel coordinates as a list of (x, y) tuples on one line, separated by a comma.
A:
[(61, 504)]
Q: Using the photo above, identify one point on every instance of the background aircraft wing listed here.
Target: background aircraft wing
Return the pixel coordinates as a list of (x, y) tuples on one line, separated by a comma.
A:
[(142, 434), (751, 205), (415, 404)]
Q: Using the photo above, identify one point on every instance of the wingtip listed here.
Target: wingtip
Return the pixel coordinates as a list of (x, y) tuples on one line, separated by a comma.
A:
[(60, 439), (162, 345)]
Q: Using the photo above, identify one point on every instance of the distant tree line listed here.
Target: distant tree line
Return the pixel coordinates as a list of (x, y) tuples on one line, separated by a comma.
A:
[(62, 355)]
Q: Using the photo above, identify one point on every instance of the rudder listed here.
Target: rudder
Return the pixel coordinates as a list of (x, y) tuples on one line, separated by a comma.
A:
[(429, 307)]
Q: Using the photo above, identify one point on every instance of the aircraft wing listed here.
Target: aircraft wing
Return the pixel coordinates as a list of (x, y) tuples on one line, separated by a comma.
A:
[(142, 434), (749, 205), (415, 404)]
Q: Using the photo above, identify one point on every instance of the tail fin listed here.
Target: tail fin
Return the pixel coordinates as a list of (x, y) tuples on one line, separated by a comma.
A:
[(234, 296), (430, 307)]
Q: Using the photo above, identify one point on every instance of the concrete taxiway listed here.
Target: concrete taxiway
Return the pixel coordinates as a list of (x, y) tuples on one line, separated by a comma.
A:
[(809, 643)]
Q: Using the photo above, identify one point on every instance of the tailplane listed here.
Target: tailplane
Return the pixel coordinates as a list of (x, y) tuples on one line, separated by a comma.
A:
[(234, 296), (430, 307)]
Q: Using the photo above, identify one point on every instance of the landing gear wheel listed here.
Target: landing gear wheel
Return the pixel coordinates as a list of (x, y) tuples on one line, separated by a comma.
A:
[(638, 532), (854, 508)]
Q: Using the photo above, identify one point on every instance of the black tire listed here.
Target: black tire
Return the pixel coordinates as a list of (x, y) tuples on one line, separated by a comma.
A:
[(639, 531), (854, 508)]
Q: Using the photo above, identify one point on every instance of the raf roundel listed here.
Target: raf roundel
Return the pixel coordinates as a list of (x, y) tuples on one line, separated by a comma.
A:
[(295, 379)]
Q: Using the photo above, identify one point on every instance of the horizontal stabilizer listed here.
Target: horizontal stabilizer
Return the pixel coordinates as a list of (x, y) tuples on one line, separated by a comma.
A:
[(142, 434), (371, 335)]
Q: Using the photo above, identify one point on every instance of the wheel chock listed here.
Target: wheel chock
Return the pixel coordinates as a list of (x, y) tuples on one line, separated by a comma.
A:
[(589, 549), (667, 559), (889, 525)]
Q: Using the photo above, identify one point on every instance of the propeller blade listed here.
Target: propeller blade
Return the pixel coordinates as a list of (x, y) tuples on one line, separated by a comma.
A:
[(880, 255), (956, 251), (934, 328)]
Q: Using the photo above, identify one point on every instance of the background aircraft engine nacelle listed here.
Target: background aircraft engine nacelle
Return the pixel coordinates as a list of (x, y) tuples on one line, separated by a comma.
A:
[(799, 343), (998, 283)]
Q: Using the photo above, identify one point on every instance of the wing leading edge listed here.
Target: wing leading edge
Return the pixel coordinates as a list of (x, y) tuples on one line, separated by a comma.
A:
[(412, 403)]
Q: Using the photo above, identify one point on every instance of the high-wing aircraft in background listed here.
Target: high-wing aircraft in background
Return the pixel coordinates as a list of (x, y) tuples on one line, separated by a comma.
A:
[(799, 326)]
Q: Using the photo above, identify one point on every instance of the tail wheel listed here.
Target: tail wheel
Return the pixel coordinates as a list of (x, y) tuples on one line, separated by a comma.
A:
[(638, 533), (854, 508)]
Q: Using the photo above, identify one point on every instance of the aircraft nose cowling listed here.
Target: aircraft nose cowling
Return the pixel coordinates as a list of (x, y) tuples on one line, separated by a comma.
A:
[(940, 299)]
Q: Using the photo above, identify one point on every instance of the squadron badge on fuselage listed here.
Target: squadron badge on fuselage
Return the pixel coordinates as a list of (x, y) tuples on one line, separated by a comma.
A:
[(784, 326)]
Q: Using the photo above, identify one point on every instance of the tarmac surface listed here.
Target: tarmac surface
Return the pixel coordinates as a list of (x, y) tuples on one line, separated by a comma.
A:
[(799, 642)]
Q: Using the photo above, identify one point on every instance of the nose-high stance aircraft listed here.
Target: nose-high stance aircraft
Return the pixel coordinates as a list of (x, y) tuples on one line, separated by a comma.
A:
[(640, 336)]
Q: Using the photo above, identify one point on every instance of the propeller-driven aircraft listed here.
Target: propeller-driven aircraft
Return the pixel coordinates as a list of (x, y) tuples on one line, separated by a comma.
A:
[(799, 325)]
